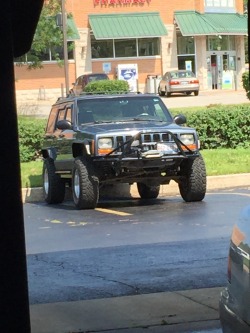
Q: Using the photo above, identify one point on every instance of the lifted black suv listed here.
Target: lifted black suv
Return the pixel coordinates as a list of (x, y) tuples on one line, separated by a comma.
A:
[(94, 140)]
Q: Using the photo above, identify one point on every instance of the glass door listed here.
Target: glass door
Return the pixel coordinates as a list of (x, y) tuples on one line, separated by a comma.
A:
[(221, 69)]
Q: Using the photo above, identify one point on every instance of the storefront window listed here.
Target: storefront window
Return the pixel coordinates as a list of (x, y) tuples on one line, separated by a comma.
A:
[(49, 54), (101, 49), (148, 47), (186, 52), (125, 48), (220, 43), (185, 45), (187, 62), (219, 5), (42, 56)]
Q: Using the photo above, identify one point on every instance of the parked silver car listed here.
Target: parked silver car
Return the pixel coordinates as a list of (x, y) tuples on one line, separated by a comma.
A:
[(234, 304), (179, 81)]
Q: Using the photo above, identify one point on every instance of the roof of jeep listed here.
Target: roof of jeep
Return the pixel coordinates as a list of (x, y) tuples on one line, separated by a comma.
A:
[(98, 96)]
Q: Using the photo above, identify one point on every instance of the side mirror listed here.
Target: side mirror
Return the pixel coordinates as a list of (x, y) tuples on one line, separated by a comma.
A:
[(180, 119), (64, 124)]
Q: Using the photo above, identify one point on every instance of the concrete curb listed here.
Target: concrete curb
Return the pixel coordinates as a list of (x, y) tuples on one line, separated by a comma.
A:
[(126, 191)]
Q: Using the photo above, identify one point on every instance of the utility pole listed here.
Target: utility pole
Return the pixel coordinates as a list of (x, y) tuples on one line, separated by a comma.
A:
[(65, 46)]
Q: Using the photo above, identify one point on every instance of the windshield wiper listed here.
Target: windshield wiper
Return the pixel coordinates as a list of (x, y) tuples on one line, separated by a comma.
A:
[(97, 122), (146, 119)]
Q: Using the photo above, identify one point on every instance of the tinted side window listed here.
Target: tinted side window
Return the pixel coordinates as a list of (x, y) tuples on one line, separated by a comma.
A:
[(61, 115), (65, 112), (52, 120), (69, 114)]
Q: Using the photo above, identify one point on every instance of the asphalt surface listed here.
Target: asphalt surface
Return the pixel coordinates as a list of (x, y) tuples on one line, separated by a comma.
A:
[(190, 311)]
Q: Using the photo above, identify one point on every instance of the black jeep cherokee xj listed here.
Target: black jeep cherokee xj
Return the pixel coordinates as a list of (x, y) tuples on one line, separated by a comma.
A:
[(96, 140)]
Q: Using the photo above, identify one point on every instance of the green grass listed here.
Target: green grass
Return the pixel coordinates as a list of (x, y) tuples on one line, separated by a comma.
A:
[(31, 174), (218, 162), (226, 161)]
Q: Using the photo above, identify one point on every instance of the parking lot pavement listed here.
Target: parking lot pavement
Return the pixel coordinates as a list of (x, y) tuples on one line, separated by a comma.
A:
[(207, 98)]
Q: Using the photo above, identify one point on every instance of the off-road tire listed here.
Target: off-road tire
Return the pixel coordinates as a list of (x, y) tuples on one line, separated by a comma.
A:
[(53, 185), (148, 192), (85, 185), (194, 181)]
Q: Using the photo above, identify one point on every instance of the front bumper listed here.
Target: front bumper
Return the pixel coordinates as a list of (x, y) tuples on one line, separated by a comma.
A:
[(230, 321)]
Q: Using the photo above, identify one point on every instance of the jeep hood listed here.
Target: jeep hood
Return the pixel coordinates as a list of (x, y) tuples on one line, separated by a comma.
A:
[(123, 127)]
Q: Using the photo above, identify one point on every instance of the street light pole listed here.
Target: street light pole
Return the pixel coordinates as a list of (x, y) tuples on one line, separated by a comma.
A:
[(65, 46)]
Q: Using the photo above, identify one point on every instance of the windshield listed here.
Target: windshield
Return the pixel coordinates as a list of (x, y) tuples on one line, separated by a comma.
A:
[(121, 109), (181, 74), (96, 77)]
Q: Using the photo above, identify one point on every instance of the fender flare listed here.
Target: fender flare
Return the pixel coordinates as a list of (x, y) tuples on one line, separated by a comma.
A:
[(49, 153), (81, 148)]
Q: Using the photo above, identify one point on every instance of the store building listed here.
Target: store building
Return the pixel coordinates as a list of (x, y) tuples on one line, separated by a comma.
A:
[(153, 35)]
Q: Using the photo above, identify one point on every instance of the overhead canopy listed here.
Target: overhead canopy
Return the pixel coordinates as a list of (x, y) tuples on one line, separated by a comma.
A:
[(130, 25), (72, 32), (192, 23)]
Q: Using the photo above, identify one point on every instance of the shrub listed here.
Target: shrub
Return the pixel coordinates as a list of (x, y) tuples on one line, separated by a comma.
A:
[(246, 84), (222, 126), (218, 126), (107, 86), (31, 132)]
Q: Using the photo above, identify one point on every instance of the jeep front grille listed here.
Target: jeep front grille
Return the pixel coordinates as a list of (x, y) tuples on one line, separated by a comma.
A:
[(146, 140)]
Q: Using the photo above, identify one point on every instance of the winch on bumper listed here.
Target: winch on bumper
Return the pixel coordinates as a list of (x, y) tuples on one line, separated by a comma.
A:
[(134, 155)]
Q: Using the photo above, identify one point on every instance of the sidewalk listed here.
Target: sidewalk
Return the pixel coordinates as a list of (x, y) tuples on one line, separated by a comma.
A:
[(158, 312)]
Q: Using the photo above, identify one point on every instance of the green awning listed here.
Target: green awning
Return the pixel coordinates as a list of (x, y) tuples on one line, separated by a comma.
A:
[(192, 23), (72, 32), (130, 25)]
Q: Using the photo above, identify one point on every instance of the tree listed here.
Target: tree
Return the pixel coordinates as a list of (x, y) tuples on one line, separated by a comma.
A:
[(246, 83), (48, 36), (245, 4)]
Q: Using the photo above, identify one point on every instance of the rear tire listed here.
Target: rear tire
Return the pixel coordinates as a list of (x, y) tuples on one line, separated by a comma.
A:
[(85, 185), (161, 93), (193, 185), (148, 192), (53, 185), (196, 93)]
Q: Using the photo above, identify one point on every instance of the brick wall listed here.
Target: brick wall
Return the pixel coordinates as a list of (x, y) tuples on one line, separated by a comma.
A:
[(81, 9), (50, 76)]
